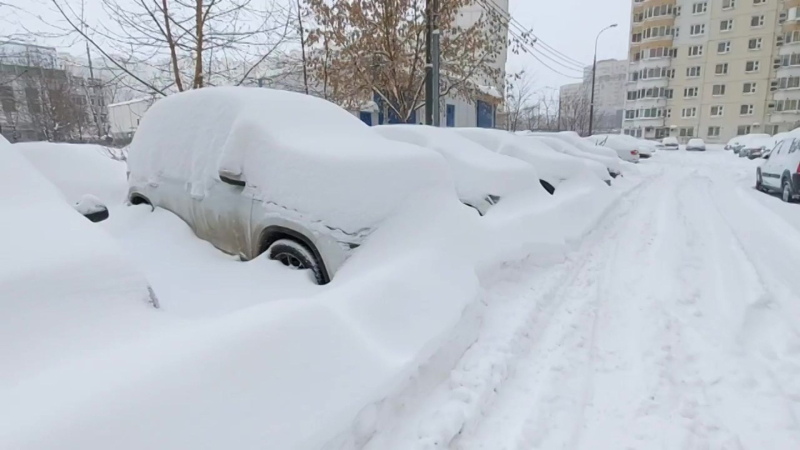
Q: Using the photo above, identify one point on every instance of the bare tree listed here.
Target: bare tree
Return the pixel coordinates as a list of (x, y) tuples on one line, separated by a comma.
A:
[(361, 49), (175, 45), (519, 94)]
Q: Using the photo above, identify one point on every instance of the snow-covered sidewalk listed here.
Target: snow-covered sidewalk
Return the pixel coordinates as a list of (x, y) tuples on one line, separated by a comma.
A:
[(673, 326)]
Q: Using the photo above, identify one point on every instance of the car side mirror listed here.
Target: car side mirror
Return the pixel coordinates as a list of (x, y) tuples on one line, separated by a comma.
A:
[(92, 208)]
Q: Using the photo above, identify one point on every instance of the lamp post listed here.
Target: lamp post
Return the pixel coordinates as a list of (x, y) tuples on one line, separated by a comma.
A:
[(594, 71)]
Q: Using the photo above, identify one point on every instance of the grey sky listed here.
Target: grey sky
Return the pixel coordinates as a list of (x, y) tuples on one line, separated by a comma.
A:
[(570, 26)]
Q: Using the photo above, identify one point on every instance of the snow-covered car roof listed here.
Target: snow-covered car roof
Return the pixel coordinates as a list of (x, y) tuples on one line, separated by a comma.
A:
[(552, 166), (64, 284), (697, 141), (478, 172), (598, 164), (669, 140), (299, 152)]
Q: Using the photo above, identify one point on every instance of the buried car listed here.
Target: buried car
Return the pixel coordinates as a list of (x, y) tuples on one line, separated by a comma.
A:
[(585, 149), (696, 145), (671, 143), (256, 171), (627, 148), (780, 171), (482, 177)]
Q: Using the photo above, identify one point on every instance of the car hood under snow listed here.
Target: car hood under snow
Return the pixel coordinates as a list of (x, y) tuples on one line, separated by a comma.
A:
[(299, 152)]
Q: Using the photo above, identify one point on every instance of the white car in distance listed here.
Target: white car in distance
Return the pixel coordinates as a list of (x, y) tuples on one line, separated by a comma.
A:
[(696, 145), (627, 149)]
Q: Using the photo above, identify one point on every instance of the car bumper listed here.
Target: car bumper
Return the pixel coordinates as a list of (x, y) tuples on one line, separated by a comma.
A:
[(796, 183), (695, 149)]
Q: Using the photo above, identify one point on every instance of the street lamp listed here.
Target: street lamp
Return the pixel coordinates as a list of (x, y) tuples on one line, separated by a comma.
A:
[(594, 70)]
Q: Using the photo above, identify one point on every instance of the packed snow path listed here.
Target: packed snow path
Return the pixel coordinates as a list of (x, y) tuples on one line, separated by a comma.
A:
[(674, 325)]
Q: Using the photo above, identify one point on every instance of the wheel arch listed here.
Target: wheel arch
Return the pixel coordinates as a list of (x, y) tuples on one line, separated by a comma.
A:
[(275, 232), (136, 198)]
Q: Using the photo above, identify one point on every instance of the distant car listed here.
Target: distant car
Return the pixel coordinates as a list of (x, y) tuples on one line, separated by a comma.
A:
[(671, 143), (695, 145), (756, 147), (739, 142), (482, 177), (262, 171), (780, 172), (627, 149), (605, 156)]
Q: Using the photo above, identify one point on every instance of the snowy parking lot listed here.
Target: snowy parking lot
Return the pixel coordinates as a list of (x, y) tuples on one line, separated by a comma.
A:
[(658, 313)]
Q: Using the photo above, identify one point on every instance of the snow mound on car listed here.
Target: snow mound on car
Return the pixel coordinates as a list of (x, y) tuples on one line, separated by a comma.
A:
[(478, 172), (300, 152)]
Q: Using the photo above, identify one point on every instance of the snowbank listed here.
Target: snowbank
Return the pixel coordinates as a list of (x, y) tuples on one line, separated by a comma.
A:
[(299, 152), (477, 171), (79, 169)]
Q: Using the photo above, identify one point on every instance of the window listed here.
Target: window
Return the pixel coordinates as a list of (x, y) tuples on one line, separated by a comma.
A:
[(718, 90), (754, 44), (699, 8), (746, 110), (759, 2), (788, 82), (728, 4), (690, 92), (757, 21), (721, 69), (751, 66), (713, 131), (693, 72), (697, 30), (717, 111), (696, 50), (742, 130), (790, 60), (726, 25), (686, 132), (724, 47), (749, 88), (687, 113)]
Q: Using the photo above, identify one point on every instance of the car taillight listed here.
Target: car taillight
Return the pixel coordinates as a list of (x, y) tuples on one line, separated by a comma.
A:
[(634, 152), (798, 168)]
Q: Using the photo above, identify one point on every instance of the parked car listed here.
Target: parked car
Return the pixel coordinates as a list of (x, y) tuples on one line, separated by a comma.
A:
[(780, 172), (626, 149), (482, 177), (671, 143), (553, 167), (262, 171), (756, 147), (647, 148), (695, 145), (739, 142), (592, 162), (605, 156)]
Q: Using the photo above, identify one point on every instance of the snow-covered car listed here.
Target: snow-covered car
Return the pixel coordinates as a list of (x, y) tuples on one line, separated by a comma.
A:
[(780, 172), (262, 171), (739, 142), (671, 143), (553, 167), (695, 145), (605, 156), (646, 147), (482, 177), (627, 149), (596, 167), (756, 147)]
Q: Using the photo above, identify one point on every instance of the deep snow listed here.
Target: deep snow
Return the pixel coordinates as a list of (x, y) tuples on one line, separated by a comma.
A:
[(656, 313)]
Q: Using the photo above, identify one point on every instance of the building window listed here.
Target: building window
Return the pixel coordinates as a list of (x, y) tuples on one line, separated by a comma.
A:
[(718, 90), (728, 4), (686, 132), (451, 116), (726, 25), (759, 2), (746, 110), (754, 44), (790, 60), (696, 50), (749, 88), (688, 113), (741, 130), (721, 69), (724, 47), (751, 66), (690, 92), (699, 8), (713, 131), (693, 72), (786, 106), (788, 82), (757, 21), (697, 30), (717, 111)]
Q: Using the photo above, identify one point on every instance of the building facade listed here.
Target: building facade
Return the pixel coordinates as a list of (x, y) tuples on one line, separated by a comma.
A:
[(712, 69), (609, 98)]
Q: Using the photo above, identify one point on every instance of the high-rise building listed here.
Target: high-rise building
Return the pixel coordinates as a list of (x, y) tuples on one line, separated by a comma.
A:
[(713, 69), (609, 97)]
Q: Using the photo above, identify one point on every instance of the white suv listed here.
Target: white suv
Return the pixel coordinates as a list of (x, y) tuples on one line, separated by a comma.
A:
[(780, 172)]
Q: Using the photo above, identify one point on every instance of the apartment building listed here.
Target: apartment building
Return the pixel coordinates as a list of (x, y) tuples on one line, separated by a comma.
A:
[(710, 68)]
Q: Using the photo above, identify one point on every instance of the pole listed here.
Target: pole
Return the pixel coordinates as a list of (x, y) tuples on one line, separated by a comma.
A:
[(428, 62), (594, 72), (302, 46), (435, 55)]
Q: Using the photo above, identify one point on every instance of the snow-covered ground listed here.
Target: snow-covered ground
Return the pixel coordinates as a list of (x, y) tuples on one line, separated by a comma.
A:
[(659, 313)]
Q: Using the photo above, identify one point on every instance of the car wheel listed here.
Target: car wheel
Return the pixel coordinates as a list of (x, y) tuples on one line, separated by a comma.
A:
[(759, 181), (296, 256)]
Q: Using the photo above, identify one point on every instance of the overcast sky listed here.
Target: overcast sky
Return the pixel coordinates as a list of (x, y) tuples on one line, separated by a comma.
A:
[(570, 26)]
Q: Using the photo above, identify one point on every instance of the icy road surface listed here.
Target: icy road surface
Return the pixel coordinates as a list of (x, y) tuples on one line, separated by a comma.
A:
[(674, 325)]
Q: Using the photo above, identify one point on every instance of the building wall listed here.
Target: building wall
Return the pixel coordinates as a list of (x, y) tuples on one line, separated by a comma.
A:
[(685, 80), (609, 92)]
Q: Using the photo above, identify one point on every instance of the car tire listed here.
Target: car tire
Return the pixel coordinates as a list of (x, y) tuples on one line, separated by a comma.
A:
[(786, 192), (759, 181), (295, 255)]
